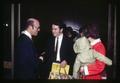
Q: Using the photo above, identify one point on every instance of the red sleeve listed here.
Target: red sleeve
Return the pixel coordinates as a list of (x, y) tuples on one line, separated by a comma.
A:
[(98, 66)]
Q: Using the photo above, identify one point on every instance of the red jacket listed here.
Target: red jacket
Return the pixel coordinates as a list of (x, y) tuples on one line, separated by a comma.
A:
[(96, 69)]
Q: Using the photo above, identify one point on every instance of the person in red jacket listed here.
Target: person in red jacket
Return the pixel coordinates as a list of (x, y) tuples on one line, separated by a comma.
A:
[(94, 71)]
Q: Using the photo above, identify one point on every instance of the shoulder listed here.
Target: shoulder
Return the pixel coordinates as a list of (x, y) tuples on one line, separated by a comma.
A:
[(99, 47), (66, 40), (79, 39), (99, 44), (23, 39)]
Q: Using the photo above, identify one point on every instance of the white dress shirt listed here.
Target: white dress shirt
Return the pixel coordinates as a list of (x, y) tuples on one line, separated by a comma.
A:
[(27, 33), (59, 46)]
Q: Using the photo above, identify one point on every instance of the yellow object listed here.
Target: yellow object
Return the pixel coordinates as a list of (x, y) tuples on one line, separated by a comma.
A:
[(57, 69), (58, 72)]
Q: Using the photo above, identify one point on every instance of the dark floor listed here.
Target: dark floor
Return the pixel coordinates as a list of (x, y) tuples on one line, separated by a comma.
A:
[(109, 70)]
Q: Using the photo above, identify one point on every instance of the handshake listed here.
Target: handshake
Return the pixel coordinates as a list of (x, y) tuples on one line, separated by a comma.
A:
[(41, 56)]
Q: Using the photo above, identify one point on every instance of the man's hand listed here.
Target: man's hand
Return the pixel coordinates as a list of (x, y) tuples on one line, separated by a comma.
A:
[(63, 63), (41, 58)]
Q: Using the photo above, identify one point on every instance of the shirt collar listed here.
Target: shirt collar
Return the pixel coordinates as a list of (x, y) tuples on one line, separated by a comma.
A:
[(27, 33), (95, 41), (60, 36)]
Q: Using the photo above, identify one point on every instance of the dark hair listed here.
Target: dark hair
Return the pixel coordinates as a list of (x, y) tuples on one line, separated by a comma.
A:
[(92, 31), (60, 24), (83, 30), (69, 29)]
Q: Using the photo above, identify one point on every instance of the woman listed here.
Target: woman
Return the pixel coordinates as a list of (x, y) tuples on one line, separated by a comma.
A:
[(94, 71)]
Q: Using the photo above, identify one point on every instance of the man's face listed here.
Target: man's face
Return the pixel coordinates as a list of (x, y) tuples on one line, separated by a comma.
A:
[(36, 28), (56, 31)]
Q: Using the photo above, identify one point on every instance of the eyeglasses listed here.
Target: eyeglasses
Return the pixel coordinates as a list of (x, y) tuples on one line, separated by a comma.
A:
[(38, 28)]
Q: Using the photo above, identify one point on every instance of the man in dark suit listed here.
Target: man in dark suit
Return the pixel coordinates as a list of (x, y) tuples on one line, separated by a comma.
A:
[(26, 59), (60, 48)]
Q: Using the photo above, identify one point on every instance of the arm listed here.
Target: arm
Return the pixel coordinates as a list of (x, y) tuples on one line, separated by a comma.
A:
[(102, 58), (98, 66), (25, 56), (76, 47), (69, 53), (28, 52)]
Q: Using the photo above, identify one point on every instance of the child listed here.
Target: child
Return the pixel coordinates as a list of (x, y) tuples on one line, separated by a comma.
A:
[(86, 55)]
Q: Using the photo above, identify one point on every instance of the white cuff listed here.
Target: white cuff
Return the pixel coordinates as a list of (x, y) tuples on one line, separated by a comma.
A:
[(41, 58), (86, 70)]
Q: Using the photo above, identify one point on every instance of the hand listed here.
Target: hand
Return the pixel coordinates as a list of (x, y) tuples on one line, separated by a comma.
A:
[(81, 69), (41, 58), (85, 68), (81, 72), (63, 63), (43, 53)]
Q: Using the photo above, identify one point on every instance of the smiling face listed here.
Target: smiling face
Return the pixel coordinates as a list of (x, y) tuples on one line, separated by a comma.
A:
[(56, 31)]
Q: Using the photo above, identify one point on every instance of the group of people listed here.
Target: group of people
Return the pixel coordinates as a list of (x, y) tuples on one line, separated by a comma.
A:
[(85, 55)]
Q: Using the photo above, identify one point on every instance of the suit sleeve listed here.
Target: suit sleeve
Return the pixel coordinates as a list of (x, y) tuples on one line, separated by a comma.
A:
[(26, 53), (71, 53)]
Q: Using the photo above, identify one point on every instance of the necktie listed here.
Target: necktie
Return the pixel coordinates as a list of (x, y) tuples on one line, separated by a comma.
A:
[(55, 50), (56, 46)]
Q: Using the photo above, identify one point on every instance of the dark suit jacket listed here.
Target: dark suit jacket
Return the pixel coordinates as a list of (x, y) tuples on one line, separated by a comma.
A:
[(66, 52), (25, 60)]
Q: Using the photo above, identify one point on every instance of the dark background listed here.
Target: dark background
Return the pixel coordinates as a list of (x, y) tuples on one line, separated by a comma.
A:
[(82, 11)]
